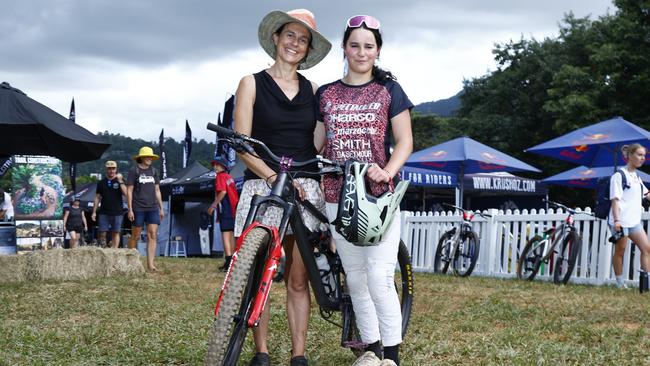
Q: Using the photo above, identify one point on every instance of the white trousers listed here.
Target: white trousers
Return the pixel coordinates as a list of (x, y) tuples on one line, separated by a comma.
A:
[(370, 276)]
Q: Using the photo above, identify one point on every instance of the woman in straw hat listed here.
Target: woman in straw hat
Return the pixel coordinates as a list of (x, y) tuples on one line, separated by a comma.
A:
[(144, 201), (276, 106)]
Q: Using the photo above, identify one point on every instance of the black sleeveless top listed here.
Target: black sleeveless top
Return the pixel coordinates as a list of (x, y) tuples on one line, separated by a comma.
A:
[(285, 126)]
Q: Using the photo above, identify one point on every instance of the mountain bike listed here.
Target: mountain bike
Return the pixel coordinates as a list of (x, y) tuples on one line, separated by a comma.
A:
[(557, 245), (247, 283), (458, 246)]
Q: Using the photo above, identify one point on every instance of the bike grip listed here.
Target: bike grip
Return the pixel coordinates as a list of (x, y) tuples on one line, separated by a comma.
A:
[(220, 130)]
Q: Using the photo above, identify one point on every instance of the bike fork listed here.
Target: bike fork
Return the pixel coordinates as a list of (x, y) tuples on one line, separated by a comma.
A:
[(270, 267)]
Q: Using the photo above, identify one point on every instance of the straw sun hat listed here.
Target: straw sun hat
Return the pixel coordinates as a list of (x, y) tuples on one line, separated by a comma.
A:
[(270, 24), (146, 152)]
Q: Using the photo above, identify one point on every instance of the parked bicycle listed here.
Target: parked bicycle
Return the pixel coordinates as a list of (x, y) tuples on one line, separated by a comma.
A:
[(458, 246), (247, 283), (558, 246)]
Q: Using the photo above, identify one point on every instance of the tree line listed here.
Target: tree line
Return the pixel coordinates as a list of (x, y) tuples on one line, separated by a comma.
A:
[(592, 71)]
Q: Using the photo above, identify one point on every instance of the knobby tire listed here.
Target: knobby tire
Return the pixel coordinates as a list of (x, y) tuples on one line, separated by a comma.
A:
[(530, 259), (466, 254), (567, 258), (229, 328), (443, 252)]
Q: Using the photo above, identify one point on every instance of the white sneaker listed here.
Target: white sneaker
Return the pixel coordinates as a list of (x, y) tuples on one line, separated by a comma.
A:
[(621, 285), (368, 359), (387, 362)]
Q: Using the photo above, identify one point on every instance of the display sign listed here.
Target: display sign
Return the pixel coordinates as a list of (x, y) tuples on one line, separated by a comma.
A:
[(38, 202)]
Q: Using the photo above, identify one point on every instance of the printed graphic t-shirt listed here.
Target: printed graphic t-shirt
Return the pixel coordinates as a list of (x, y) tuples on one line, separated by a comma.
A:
[(111, 203), (357, 125), (225, 183), (144, 188)]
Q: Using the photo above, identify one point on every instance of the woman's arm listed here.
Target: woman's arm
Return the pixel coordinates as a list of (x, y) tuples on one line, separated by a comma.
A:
[(245, 97), (129, 202), (319, 137), (159, 199), (65, 217)]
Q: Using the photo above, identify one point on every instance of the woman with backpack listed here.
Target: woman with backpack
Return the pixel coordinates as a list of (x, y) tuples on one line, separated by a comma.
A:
[(145, 202), (625, 214)]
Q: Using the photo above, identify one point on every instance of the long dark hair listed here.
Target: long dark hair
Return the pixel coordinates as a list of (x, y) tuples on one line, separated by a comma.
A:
[(378, 73)]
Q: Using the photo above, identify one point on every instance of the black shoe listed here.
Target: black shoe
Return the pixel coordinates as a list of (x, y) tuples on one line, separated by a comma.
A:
[(298, 361), (260, 359), (279, 277)]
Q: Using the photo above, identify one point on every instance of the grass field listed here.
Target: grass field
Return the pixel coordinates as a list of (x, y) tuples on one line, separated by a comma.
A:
[(164, 318)]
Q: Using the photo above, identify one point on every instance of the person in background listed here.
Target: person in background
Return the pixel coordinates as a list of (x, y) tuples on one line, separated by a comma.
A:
[(358, 113), (276, 106), (225, 200), (108, 198), (625, 213), (6, 206), (74, 221), (145, 202)]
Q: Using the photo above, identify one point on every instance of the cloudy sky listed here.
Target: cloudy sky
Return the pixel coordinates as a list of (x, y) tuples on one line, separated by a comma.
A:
[(137, 66)]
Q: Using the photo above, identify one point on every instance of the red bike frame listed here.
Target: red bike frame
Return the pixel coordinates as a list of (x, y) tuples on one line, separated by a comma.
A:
[(270, 267)]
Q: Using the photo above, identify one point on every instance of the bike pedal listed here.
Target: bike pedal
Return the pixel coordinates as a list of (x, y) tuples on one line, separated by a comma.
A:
[(355, 344)]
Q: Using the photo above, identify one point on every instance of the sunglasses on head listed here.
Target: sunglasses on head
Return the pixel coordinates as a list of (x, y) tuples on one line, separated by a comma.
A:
[(357, 20)]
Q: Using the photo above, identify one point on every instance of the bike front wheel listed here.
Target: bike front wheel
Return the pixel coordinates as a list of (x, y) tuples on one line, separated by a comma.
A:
[(466, 254), (443, 253), (229, 328), (567, 258), (530, 259)]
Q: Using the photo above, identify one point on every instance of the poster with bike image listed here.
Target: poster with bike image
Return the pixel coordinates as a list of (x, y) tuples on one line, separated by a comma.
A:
[(38, 188), (38, 203)]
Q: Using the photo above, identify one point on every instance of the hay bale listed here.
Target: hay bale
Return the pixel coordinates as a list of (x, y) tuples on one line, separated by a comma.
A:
[(70, 264)]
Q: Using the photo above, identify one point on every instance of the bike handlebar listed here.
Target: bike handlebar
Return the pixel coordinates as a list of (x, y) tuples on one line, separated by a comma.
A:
[(242, 142), (464, 210), (568, 209)]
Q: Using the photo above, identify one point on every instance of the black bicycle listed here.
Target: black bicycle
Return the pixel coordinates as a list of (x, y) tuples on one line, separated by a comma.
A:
[(458, 246), (247, 282), (558, 246)]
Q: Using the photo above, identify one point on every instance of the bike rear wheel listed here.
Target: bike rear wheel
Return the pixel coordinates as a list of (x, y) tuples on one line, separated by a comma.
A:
[(443, 253), (530, 259), (466, 254), (566, 259), (404, 286), (229, 328)]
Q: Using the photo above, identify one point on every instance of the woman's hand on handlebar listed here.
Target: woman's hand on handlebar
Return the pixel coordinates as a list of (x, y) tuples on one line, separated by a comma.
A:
[(300, 190), (377, 174)]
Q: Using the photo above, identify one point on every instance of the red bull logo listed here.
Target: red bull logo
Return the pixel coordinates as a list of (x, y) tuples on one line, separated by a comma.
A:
[(492, 157), (490, 167), (597, 136), (437, 165), (571, 154), (438, 154), (581, 148), (579, 182)]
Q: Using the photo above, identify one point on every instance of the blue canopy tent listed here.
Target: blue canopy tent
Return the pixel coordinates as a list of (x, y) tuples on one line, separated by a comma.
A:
[(597, 145), (584, 177), (462, 156)]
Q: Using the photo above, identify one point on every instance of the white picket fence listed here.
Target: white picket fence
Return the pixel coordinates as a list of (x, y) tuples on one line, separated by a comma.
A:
[(504, 235)]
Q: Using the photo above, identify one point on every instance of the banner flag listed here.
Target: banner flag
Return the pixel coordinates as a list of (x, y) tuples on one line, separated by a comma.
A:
[(73, 166), (187, 145), (163, 158)]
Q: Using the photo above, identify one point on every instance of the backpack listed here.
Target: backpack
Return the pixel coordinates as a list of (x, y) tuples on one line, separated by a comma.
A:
[(603, 202)]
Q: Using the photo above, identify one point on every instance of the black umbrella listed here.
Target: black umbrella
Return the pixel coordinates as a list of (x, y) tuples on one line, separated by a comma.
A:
[(28, 127)]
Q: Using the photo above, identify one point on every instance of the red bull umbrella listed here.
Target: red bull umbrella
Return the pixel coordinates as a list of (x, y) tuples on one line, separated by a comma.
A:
[(597, 145)]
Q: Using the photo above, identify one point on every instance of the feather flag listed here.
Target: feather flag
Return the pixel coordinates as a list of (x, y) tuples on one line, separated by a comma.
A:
[(187, 144), (163, 158), (73, 166)]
